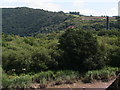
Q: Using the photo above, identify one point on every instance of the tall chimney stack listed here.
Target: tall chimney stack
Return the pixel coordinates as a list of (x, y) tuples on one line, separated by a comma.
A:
[(107, 23)]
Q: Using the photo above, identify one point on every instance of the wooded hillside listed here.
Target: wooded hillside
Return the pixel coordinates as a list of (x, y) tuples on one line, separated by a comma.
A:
[(25, 21)]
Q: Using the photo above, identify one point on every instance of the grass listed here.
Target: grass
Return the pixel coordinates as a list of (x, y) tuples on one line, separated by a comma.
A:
[(104, 74), (58, 77), (73, 15), (66, 76), (22, 81), (43, 77)]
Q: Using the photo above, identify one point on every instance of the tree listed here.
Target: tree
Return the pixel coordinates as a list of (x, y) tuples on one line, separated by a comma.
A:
[(79, 46), (115, 58)]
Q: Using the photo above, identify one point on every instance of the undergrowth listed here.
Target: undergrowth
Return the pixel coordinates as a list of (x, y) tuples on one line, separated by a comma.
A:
[(58, 77), (104, 74)]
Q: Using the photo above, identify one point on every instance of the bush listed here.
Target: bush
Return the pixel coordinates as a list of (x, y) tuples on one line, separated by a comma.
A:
[(113, 32), (67, 74), (42, 60), (57, 76), (43, 77), (95, 62), (17, 60), (114, 58), (23, 81)]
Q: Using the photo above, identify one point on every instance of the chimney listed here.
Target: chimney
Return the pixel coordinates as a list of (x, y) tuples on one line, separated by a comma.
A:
[(107, 23)]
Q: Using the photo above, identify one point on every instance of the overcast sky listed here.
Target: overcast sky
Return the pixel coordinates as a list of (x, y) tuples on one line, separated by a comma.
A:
[(86, 7)]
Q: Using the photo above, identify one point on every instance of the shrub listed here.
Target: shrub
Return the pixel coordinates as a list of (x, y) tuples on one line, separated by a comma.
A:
[(57, 76), (104, 74), (114, 58), (113, 32), (43, 77), (22, 81), (66, 76), (42, 60)]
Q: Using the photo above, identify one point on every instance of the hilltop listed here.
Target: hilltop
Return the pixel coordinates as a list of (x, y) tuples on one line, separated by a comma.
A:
[(25, 21)]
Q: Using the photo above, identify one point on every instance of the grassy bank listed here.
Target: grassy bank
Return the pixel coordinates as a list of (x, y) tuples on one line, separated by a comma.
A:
[(106, 74), (57, 77)]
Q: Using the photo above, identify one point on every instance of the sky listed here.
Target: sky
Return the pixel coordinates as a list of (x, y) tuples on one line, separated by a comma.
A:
[(86, 7)]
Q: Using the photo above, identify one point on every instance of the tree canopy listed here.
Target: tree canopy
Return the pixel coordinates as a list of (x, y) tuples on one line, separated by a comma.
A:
[(80, 48), (25, 21)]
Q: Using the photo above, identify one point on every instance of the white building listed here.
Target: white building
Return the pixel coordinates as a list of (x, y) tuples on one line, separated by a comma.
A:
[(119, 8)]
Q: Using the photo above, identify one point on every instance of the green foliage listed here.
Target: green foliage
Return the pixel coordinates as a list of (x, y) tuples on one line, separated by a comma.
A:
[(25, 21), (58, 77), (29, 54), (113, 32), (17, 60), (96, 61), (23, 81), (40, 58), (104, 74), (35, 54), (114, 58), (112, 48), (43, 77), (66, 76), (86, 47), (80, 48)]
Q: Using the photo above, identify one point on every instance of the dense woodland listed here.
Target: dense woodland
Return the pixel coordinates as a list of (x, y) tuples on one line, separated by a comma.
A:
[(27, 21), (70, 49)]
